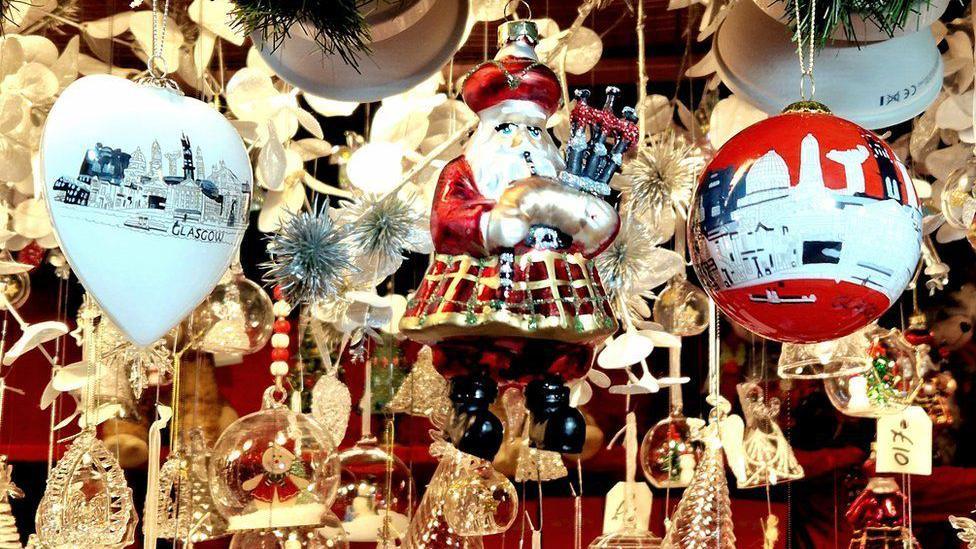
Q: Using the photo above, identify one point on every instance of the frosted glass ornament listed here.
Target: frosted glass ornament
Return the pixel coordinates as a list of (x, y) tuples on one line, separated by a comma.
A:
[(768, 455), (273, 469)]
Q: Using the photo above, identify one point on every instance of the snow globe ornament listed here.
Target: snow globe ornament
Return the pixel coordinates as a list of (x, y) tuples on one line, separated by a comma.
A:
[(375, 492), (328, 536), (669, 452), (958, 201), (682, 308), (162, 177), (273, 469), (237, 316), (805, 226), (889, 384)]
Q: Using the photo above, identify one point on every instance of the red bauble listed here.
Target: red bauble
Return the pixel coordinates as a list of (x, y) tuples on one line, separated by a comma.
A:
[(805, 227), (32, 254)]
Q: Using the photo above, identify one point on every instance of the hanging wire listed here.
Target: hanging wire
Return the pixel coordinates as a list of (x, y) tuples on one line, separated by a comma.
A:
[(806, 61)]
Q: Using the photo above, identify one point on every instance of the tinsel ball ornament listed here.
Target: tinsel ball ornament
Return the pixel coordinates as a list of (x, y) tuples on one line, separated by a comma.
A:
[(669, 453), (887, 386), (238, 313), (375, 493), (327, 536), (682, 308), (805, 226), (274, 469), (481, 503)]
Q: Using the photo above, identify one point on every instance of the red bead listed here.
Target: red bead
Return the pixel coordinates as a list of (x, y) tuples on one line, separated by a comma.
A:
[(282, 326), (279, 354), (279, 294)]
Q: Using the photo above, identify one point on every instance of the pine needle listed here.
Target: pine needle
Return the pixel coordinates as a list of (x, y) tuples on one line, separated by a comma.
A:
[(889, 16)]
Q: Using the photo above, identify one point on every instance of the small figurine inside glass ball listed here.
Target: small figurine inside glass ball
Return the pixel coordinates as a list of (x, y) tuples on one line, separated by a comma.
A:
[(888, 386), (16, 288), (236, 318), (328, 536), (273, 469), (668, 453), (365, 503), (481, 503), (682, 308)]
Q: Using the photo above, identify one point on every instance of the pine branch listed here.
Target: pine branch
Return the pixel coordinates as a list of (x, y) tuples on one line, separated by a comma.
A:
[(889, 16), (338, 26)]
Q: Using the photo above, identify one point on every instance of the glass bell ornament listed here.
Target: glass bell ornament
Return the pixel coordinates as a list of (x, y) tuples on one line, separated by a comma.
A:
[(669, 453), (365, 503), (769, 458), (273, 469), (682, 308), (958, 201), (844, 356), (628, 538), (238, 314), (185, 508), (329, 535), (888, 386), (482, 503)]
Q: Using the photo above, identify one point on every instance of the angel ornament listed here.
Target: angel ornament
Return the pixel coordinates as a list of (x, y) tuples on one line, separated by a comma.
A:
[(768, 456), (283, 477)]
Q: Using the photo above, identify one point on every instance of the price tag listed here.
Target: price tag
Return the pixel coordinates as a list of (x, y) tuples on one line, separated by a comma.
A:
[(905, 442), (616, 510)]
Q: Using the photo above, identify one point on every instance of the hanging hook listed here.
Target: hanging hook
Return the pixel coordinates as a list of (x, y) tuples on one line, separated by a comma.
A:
[(513, 14)]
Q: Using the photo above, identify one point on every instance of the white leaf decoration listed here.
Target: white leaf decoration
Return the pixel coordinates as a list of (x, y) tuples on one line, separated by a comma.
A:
[(214, 16), (309, 122), (31, 219), (330, 107), (277, 206), (272, 162), (34, 335), (108, 27), (625, 350), (956, 112)]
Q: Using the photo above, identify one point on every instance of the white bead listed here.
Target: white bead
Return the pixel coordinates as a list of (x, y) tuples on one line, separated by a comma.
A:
[(281, 308), (279, 341), (279, 368)]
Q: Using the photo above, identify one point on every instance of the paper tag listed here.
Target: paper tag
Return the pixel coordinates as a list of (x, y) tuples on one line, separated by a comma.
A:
[(616, 510), (731, 430), (905, 442)]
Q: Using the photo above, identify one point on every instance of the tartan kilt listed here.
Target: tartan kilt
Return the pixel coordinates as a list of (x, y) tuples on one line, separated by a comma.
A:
[(538, 294)]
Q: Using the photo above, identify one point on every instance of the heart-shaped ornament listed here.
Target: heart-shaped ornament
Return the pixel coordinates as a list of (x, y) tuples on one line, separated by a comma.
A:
[(149, 194)]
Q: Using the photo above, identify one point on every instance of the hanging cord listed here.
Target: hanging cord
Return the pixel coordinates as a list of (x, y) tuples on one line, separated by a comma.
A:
[(157, 71), (806, 61)]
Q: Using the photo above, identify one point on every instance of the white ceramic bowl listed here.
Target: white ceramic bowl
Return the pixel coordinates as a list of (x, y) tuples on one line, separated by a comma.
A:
[(866, 31), (875, 84), (408, 46)]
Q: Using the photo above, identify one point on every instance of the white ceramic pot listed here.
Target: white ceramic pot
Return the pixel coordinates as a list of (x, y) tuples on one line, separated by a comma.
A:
[(409, 44), (148, 193), (875, 84), (864, 30)]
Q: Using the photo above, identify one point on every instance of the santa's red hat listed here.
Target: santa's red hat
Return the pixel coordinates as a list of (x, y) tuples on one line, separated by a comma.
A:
[(512, 78)]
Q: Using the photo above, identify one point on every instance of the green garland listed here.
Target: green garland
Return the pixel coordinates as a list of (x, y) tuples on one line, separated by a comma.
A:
[(338, 26), (888, 15)]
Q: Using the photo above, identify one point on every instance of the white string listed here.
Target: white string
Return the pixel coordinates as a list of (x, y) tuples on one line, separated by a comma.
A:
[(806, 65), (157, 62)]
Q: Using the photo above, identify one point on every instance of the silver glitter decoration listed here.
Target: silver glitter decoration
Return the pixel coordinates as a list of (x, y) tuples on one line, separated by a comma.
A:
[(380, 229), (625, 265), (661, 175), (308, 257)]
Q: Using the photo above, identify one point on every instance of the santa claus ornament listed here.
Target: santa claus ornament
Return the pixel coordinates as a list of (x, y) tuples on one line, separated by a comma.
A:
[(805, 227), (512, 294)]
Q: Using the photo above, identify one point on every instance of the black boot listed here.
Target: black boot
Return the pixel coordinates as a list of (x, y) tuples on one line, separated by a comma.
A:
[(473, 429), (556, 426)]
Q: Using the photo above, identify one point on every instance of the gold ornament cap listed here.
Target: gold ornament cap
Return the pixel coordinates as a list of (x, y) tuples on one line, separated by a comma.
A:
[(511, 31), (806, 106)]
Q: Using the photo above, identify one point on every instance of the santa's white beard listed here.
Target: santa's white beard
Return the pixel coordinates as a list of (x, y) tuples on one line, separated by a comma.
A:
[(495, 162)]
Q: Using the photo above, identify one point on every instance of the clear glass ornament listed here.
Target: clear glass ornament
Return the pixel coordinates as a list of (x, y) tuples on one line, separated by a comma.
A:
[(958, 200), (888, 386), (9, 536), (837, 357), (429, 528), (274, 469), (236, 318), (185, 508), (682, 308), (332, 405), (769, 458), (481, 503), (87, 502), (329, 535), (669, 452), (16, 288), (367, 507), (630, 538)]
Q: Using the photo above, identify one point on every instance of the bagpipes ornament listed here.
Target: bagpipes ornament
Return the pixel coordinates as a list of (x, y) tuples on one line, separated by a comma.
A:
[(148, 192), (805, 227), (512, 293)]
